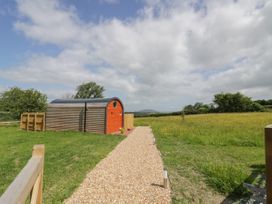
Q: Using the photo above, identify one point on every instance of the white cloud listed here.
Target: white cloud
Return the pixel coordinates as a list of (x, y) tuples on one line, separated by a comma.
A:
[(171, 50), (50, 22)]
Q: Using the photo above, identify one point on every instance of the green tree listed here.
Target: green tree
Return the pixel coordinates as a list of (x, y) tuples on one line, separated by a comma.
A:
[(197, 108), (201, 108), (189, 109), (17, 101), (237, 102), (89, 90)]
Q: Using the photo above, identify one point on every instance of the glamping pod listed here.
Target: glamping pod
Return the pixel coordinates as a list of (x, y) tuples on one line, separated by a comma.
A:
[(105, 115)]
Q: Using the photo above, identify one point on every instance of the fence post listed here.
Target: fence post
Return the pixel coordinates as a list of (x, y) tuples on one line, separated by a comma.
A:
[(35, 120), (165, 178), (85, 116), (43, 128), (28, 181), (27, 122), (36, 197), (21, 121), (268, 163)]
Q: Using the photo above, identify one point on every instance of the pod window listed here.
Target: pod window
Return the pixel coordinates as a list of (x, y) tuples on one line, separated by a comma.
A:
[(115, 104)]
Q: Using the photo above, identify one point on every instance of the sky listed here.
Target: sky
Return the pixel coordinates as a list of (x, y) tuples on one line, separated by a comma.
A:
[(156, 54)]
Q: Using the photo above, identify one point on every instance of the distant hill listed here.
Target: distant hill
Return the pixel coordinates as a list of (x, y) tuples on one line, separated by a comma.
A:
[(154, 113), (145, 112), (148, 111)]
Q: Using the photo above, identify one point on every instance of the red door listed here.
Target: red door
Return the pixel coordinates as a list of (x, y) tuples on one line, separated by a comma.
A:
[(114, 117)]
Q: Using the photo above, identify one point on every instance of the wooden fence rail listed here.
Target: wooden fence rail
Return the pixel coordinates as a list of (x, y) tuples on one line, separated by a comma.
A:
[(28, 182)]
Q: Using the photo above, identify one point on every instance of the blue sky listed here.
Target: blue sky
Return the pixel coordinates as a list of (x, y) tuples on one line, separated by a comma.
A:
[(151, 53), (15, 46)]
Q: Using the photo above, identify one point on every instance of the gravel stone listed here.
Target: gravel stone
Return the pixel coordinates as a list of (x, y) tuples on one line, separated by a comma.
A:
[(131, 173)]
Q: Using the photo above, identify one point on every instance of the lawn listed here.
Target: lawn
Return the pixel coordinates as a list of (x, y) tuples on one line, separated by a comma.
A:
[(210, 155), (68, 157)]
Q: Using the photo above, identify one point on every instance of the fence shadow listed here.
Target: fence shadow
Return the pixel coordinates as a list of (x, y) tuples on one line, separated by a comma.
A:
[(257, 176)]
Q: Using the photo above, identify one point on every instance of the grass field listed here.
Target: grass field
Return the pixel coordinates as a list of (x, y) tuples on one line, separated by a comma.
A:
[(210, 155), (69, 156)]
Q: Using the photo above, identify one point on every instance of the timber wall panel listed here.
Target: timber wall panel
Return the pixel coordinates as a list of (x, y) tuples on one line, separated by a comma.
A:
[(95, 120), (63, 118)]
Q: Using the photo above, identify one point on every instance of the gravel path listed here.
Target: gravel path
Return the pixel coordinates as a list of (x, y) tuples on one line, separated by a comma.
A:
[(131, 173)]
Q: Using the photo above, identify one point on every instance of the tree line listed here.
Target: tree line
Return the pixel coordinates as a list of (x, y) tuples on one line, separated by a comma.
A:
[(222, 103), (15, 101), (227, 102), (265, 103)]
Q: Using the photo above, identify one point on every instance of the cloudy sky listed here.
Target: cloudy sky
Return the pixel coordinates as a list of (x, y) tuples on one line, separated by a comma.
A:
[(151, 53)]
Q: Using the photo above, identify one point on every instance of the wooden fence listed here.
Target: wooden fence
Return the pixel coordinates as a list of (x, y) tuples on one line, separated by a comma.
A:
[(33, 121), (128, 121), (268, 161), (28, 182)]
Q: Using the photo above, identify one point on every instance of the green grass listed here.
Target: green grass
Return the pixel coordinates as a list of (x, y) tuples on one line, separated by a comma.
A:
[(220, 150), (68, 157)]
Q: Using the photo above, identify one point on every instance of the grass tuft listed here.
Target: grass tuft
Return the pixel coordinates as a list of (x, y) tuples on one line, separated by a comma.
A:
[(224, 178)]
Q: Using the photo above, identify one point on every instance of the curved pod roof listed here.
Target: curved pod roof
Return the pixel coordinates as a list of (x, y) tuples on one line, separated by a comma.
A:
[(97, 102)]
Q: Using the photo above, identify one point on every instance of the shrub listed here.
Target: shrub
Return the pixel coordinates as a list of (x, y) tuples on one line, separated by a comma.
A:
[(16, 101)]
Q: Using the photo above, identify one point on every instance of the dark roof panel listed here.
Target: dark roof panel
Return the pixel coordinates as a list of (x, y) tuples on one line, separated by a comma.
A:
[(96, 100)]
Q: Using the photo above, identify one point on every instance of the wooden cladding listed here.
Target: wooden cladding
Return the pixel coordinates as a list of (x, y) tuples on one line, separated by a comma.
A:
[(33, 121), (95, 120), (128, 121), (62, 117)]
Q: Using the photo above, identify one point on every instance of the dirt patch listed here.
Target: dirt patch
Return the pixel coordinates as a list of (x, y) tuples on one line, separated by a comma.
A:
[(192, 192)]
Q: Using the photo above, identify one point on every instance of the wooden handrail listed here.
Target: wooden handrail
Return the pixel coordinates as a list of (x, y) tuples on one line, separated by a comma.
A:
[(29, 181)]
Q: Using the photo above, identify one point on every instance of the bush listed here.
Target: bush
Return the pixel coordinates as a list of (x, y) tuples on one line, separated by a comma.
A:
[(16, 101), (256, 107), (197, 108)]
